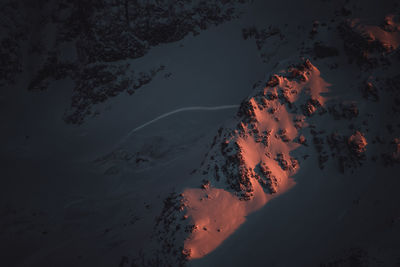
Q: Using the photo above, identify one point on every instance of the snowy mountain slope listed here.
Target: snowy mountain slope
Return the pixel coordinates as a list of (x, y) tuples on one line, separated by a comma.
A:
[(346, 144), (253, 153), (93, 43), (304, 173)]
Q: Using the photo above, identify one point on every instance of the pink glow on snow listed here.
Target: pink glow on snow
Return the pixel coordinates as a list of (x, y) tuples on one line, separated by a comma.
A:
[(218, 213)]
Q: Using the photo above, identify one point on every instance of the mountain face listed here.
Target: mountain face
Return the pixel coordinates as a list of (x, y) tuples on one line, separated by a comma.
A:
[(93, 42), (250, 160), (200, 133)]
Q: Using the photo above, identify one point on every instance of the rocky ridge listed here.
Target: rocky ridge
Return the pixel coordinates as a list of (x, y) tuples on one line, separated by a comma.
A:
[(93, 43), (249, 163)]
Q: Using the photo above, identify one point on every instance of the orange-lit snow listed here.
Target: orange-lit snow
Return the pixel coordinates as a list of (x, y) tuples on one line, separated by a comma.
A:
[(216, 212)]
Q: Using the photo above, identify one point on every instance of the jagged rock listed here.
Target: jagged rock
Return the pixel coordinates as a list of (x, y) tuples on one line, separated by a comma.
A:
[(311, 107), (366, 44), (302, 140), (357, 143), (370, 91), (206, 184)]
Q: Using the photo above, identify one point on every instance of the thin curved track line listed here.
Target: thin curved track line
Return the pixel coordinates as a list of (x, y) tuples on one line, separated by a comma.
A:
[(174, 112)]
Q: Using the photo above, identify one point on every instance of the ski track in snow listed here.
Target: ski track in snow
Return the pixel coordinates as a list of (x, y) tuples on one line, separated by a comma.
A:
[(194, 108)]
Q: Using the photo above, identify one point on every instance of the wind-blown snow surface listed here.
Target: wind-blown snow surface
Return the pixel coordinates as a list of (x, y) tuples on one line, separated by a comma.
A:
[(305, 173)]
